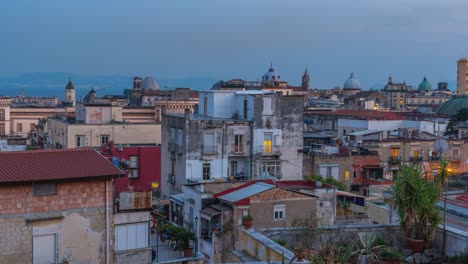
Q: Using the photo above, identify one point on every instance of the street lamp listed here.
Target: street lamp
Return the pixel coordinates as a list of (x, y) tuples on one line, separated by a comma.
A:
[(196, 237)]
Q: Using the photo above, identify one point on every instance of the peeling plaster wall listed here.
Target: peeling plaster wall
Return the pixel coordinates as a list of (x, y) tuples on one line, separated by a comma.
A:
[(81, 242)]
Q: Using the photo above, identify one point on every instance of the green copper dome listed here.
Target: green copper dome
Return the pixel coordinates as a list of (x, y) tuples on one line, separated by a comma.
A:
[(425, 85), (452, 106)]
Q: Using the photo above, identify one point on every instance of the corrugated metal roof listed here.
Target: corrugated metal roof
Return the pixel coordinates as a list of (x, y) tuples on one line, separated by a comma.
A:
[(42, 165), (248, 191)]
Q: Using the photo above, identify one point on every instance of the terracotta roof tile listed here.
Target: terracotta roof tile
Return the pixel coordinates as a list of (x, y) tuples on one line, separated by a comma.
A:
[(26, 166)]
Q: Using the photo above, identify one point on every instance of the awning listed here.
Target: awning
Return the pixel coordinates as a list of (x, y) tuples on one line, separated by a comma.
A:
[(177, 198), (209, 213)]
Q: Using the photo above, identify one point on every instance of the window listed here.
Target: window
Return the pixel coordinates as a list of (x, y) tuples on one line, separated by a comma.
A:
[(279, 211), (131, 236), (104, 139), (2, 129), (270, 169), (44, 248), (233, 167), (394, 152), (44, 189), (32, 126), (238, 144), (133, 167), (206, 171), (267, 142), (80, 141), (209, 143), (19, 127), (415, 153), (2, 114), (354, 187)]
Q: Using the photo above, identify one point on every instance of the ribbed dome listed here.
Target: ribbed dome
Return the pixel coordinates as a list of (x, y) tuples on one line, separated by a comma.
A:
[(452, 106), (425, 85), (271, 75), (149, 83), (351, 83)]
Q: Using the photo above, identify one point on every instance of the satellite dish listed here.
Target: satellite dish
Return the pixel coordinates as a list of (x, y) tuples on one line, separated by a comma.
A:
[(441, 145)]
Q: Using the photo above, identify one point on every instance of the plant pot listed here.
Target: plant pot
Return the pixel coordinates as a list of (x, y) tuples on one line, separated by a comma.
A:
[(416, 245), (188, 252), (247, 224)]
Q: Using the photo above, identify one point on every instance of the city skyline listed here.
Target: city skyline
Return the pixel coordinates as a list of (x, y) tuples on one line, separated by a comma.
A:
[(221, 41)]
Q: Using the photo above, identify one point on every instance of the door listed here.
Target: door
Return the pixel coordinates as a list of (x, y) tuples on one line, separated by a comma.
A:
[(44, 249)]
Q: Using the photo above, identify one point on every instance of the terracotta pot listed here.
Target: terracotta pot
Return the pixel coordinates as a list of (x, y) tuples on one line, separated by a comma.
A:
[(188, 252), (247, 224), (416, 245)]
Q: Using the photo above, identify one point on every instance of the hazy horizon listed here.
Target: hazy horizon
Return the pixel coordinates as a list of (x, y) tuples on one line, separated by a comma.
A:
[(222, 40)]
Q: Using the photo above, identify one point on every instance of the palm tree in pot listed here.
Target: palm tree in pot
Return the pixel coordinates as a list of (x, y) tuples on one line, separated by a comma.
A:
[(414, 199)]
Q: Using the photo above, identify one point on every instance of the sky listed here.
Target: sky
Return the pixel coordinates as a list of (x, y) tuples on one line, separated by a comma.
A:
[(223, 39)]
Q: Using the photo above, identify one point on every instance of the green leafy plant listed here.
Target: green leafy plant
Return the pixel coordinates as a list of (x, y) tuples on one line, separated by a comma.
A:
[(280, 242), (329, 180), (368, 250), (390, 254)]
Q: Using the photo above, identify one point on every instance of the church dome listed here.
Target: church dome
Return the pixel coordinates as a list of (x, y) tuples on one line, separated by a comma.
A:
[(452, 106), (271, 75), (149, 83), (351, 83), (425, 85)]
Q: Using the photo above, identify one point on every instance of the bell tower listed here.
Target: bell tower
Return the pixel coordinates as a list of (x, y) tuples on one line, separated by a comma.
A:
[(70, 93)]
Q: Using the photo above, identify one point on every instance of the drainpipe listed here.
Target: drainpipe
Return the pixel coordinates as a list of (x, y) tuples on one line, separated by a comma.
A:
[(107, 224)]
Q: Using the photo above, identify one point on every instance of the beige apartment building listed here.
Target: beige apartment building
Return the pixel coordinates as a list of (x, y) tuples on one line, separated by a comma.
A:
[(95, 125), (462, 76)]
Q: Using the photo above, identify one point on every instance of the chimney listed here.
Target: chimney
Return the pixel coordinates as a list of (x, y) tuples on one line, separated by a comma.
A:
[(187, 114), (195, 109)]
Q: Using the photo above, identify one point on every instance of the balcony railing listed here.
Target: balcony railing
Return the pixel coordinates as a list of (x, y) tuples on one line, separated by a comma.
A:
[(395, 159), (416, 159), (237, 149), (172, 146), (434, 158), (207, 149)]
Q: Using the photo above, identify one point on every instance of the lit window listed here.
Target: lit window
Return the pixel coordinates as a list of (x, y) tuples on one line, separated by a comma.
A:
[(267, 142), (279, 212), (394, 152), (133, 167)]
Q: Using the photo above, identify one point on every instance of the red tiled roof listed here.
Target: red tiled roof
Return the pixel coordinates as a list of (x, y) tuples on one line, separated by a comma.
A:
[(41, 165), (365, 114)]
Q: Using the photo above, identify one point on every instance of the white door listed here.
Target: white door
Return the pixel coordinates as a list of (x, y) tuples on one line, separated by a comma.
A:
[(44, 251)]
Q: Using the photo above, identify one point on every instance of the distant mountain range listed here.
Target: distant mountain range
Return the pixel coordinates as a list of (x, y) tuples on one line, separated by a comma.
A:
[(53, 84)]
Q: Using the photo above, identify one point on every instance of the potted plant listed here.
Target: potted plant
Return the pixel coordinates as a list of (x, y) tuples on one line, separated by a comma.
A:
[(185, 237), (247, 221), (299, 253), (390, 256), (368, 250), (414, 199)]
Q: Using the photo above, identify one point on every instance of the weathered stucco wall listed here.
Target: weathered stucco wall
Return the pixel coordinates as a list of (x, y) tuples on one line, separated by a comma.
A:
[(75, 214)]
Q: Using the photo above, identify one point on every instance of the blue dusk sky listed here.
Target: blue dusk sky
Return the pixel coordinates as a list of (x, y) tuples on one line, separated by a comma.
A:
[(221, 40)]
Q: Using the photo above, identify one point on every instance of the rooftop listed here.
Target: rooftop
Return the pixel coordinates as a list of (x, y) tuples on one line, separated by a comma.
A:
[(43, 165), (246, 191), (363, 114)]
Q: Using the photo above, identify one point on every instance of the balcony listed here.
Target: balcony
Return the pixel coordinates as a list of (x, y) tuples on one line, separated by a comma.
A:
[(434, 158), (172, 146), (171, 178), (395, 159), (209, 149), (416, 159), (237, 150), (267, 150)]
